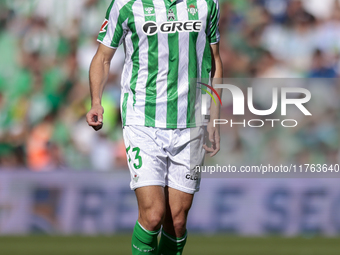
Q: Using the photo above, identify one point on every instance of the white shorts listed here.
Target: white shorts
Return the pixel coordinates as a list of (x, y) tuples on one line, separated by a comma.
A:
[(164, 157)]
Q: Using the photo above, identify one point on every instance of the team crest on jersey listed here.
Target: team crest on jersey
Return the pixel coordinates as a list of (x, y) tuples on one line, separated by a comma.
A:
[(104, 26), (192, 9), (171, 15)]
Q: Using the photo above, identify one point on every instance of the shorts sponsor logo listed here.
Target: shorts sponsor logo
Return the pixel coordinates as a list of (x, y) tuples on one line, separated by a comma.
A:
[(191, 177), (151, 28), (136, 178)]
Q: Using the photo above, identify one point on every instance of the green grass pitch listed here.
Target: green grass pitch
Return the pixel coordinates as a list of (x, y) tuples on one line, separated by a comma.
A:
[(196, 245)]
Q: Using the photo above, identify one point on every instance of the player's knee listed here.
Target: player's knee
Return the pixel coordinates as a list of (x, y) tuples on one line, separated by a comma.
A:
[(153, 218), (179, 223)]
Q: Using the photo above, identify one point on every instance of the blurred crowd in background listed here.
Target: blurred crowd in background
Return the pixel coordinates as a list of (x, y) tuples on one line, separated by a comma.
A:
[(46, 47)]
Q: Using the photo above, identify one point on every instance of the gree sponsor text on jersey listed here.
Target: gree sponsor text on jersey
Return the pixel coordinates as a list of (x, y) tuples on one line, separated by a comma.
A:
[(151, 28)]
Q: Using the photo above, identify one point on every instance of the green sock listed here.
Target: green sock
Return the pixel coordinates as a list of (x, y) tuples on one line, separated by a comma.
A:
[(170, 245), (144, 241)]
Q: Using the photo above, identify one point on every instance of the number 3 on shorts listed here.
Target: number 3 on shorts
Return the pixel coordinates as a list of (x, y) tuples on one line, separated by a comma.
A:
[(137, 157)]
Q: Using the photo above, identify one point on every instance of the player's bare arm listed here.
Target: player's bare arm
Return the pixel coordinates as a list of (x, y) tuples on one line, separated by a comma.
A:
[(216, 75), (99, 72)]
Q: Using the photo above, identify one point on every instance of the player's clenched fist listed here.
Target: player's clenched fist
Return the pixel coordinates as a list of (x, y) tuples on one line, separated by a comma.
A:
[(95, 117)]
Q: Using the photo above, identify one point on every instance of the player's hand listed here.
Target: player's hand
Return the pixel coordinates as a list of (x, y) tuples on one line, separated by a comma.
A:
[(95, 117), (214, 138)]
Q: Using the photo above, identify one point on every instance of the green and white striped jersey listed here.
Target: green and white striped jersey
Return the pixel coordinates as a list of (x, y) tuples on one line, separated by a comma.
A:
[(167, 45)]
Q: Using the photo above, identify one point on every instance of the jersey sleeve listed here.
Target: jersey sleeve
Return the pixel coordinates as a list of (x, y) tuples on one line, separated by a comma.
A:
[(112, 33), (214, 33)]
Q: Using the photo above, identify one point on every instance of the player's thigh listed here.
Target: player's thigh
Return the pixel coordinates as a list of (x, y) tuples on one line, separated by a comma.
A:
[(178, 202), (151, 206), (187, 153), (150, 197)]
